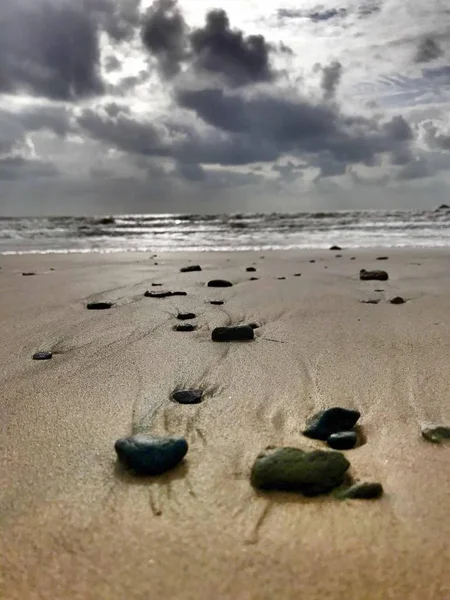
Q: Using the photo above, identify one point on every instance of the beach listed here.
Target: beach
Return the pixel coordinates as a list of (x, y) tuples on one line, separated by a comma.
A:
[(76, 526)]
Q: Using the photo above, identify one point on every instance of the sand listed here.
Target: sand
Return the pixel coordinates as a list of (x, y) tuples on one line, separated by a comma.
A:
[(75, 526)]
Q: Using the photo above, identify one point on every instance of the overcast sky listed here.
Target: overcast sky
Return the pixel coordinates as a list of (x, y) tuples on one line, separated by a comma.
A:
[(113, 106)]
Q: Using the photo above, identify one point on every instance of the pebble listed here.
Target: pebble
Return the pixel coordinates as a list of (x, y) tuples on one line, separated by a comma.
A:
[(149, 455), (219, 283), (335, 248), (363, 491), (353, 258), (217, 302), (163, 294), (254, 325), (344, 440), (397, 300), (188, 396), (250, 269), (28, 274), (331, 420), (291, 469), (312, 261), (281, 278), (253, 278), (42, 356), (156, 284), (186, 327), (435, 433), (190, 269), (373, 275), (383, 258), (338, 255), (232, 334), (297, 274), (371, 301), (186, 316), (99, 305)]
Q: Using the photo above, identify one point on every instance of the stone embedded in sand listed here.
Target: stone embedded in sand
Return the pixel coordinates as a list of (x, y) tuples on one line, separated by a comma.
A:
[(291, 469), (219, 283), (188, 396), (338, 255), (156, 284), (373, 275), (99, 305), (190, 269), (217, 302), (331, 420), (186, 316), (371, 301), (297, 274), (382, 257), (250, 269), (335, 248), (344, 440), (363, 491), (379, 290), (179, 293), (237, 333), (186, 327), (312, 261), (163, 294), (281, 278), (397, 300), (28, 274), (254, 279), (254, 325), (353, 258), (42, 356), (149, 455), (435, 433)]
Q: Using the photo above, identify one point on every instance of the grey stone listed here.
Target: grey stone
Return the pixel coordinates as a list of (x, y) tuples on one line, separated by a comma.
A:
[(331, 420), (190, 269), (219, 283), (291, 469), (99, 305), (42, 356), (363, 491), (236, 333), (188, 396), (373, 275), (149, 455), (435, 433), (344, 440)]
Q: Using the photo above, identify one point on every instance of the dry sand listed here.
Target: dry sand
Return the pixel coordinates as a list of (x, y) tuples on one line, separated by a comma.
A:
[(75, 526)]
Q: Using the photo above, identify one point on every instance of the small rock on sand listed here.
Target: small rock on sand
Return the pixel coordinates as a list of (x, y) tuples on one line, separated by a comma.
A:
[(435, 433), (99, 305), (254, 325), (186, 316), (219, 283), (28, 274), (331, 420), (344, 440), (149, 455), (254, 279), (281, 278), (190, 269), (42, 356), (163, 294), (292, 469), (397, 300), (338, 255), (353, 258), (373, 275), (217, 302), (156, 284), (335, 248), (297, 274), (362, 491), (236, 333), (312, 260), (188, 396), (382, 257), (186, 327), (250, 269)]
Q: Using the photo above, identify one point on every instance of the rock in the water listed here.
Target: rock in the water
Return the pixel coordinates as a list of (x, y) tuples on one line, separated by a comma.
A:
[(149, 455), (99, 305), (28, 274), (217, 302), (186, 327), (331, 420), (344, 440), (436, 433), (188, 396), (382, 257), (219, 283), (363, 491), (397, 300), (250, 269), (190, 269), (236, 333), (373, 275), (186, 316), (335, 248), (42, 356), (292, 469)]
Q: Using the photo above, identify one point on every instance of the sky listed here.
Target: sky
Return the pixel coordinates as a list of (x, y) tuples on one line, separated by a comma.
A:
[(133, 106)]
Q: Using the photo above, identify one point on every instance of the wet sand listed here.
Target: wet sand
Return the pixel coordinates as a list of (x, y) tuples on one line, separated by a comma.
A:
[(75, 525)]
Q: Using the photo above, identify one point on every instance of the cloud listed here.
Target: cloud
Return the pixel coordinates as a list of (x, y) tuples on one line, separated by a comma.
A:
[(20, 168), (112, 63), (316, 15), (119, 18), (428, 50), (331, 76), (435, 137)]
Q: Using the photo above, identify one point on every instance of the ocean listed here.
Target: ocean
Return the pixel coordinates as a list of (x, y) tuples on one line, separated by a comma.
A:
[(169, 232)]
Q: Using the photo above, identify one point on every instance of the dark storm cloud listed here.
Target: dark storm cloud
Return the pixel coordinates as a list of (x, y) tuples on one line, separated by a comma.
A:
[(119, 18), (331, 76), (436, 139), (428, 50), (112, 63), (48, 49), (19, 168), (164, 35)]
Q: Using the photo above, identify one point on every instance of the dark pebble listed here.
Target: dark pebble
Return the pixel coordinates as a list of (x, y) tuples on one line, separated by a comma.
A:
[(353, 258), (331, 420), (232, 334), (219, 283), (156, 264), (188, 396), (217, 302), (42, 356), (281, 278), (254, 279), (335, 248), (250, 269), (179, 293), (397, 300), (338, 255), (297, 274), (156, 284), (383, 258), (292, 469), (148, 455), (373, 275), (30, 274), (363, 491), (99, 305), (344, 440), (435, 433), (379, 290), (187, 327), (190, 269), (163, 294), (312, 261), (371, 301), (185, 316), (254, 325)]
